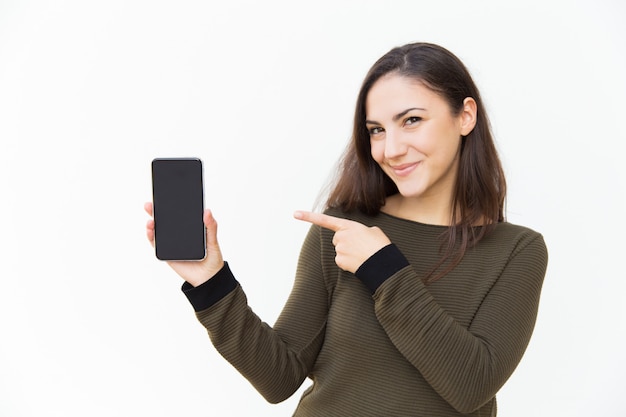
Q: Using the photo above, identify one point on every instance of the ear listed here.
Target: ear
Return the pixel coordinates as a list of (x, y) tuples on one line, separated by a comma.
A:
[(468, 116)]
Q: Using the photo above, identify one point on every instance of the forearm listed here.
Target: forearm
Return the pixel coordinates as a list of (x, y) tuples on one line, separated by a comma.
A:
[(253, 347), (465, 364), (250, 345), (275, 360), (456, 363)]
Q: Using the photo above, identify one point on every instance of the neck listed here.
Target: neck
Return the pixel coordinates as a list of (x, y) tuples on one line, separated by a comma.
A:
[(421, 210)]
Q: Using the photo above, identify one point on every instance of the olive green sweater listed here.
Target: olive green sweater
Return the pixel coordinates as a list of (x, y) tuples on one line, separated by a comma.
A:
[(380, 342)]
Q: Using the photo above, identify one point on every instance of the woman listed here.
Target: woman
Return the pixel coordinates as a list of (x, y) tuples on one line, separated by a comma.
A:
[(412, 296)]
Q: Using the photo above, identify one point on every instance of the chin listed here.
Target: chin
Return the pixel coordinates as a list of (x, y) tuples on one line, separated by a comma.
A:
[(410, 192)]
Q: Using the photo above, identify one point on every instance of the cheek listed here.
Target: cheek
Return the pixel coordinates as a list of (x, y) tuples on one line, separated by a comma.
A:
[(377, 150)]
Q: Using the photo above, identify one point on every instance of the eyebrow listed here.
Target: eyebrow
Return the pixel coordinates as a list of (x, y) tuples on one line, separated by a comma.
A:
[(397, 116)]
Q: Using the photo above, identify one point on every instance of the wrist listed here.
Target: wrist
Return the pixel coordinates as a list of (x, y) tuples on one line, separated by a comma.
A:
[(211, 290), (210, 273), (380, 266)]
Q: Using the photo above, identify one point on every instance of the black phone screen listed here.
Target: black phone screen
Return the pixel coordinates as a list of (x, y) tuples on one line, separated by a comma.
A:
[(178, 204)]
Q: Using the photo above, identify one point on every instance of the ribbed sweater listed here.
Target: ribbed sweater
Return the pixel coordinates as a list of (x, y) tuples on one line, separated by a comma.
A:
[(380, 342)]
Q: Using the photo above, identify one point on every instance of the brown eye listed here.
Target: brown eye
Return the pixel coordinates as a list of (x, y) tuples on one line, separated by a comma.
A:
[(412, 120)]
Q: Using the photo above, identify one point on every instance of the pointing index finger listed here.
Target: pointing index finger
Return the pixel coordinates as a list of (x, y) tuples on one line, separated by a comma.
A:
[(320, 219)]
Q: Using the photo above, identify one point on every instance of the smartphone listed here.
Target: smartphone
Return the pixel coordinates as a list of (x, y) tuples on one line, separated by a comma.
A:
[(178, 206)]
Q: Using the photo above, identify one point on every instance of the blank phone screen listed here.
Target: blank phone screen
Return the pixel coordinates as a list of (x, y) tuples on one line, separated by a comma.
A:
[(178, 200)]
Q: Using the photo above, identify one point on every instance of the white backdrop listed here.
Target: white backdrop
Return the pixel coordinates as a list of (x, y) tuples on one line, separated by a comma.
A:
[(91, 324)]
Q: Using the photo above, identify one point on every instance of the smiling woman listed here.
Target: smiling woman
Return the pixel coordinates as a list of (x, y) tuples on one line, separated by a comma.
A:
[(427, 91), (380, 319), (418, 147)]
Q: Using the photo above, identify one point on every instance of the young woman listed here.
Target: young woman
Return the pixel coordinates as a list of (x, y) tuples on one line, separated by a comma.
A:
[(413, 296)]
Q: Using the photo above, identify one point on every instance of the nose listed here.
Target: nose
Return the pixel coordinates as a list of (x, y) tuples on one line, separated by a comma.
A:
[(395, 145)]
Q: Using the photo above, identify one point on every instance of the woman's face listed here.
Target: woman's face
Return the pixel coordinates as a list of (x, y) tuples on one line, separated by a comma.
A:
[(414, 136)]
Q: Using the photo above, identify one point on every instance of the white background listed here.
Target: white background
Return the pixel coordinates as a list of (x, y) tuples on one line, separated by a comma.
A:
[(91, 324)]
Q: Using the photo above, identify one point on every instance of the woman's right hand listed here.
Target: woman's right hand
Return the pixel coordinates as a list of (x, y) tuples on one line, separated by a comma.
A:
[(195, 272)]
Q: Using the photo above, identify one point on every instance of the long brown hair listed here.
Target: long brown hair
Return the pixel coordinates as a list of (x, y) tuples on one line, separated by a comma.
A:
[(480, 187)]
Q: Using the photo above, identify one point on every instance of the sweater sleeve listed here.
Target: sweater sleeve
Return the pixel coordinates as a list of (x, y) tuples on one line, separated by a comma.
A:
[(466, 366), (276, 360)]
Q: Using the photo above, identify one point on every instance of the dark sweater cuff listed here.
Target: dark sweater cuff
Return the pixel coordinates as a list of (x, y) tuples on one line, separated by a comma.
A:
[(205, 295), (380, 266)]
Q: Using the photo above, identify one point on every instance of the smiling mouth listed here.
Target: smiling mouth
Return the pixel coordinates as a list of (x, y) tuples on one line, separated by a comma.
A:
[(404, 169)]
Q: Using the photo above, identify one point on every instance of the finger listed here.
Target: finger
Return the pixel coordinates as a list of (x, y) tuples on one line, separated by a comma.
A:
[(211, 228), (148, 207), (150, 231), (323, 220)]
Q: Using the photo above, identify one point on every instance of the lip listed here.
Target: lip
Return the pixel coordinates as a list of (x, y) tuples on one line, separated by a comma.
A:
[(403, 170)]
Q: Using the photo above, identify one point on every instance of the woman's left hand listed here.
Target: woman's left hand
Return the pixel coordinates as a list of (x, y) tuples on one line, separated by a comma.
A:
[(354, 242)]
